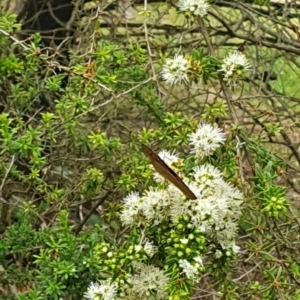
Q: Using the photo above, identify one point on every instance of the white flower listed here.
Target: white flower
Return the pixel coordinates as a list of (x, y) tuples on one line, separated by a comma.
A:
[(223, 204), (195, 7), (227, 232), (93, 291), (206, 175), (138, 248), (234, 66), (202, 213), (155, 205), (179, 206), (175, 70), (132, 205), (132, 199), (228, 197), (235, 248), (137, 266), (198, 259), (237, 58), (230, 245), (150, 249), (150, 281), (103, 291), (206, 139), (229, 191), (188, 269)]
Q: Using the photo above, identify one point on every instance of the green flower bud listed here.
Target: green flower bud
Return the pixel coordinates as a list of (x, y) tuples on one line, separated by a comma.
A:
[(188, 250), (180, 226), (180, 253), (191, 236)]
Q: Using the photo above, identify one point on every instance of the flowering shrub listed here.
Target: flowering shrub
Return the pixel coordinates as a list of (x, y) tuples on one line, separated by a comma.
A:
[(185, 233)]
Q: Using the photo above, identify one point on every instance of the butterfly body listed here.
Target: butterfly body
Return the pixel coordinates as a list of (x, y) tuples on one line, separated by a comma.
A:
[(166, 172)]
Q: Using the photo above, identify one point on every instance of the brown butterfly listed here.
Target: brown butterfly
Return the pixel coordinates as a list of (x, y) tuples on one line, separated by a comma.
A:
[(165, 171)]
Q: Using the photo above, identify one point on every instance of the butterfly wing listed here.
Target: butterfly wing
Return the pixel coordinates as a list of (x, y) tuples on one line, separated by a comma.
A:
[(165, 171)]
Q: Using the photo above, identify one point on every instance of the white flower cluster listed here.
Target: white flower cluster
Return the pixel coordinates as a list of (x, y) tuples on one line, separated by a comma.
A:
[(175, 70), (191, 270), (149, 282), (206, 140), (233, 67), (194, 7), (105, 290), (214, 212)]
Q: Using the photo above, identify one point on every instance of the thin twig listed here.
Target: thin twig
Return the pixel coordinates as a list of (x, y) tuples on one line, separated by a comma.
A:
[(5, 177), (88, 215)]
